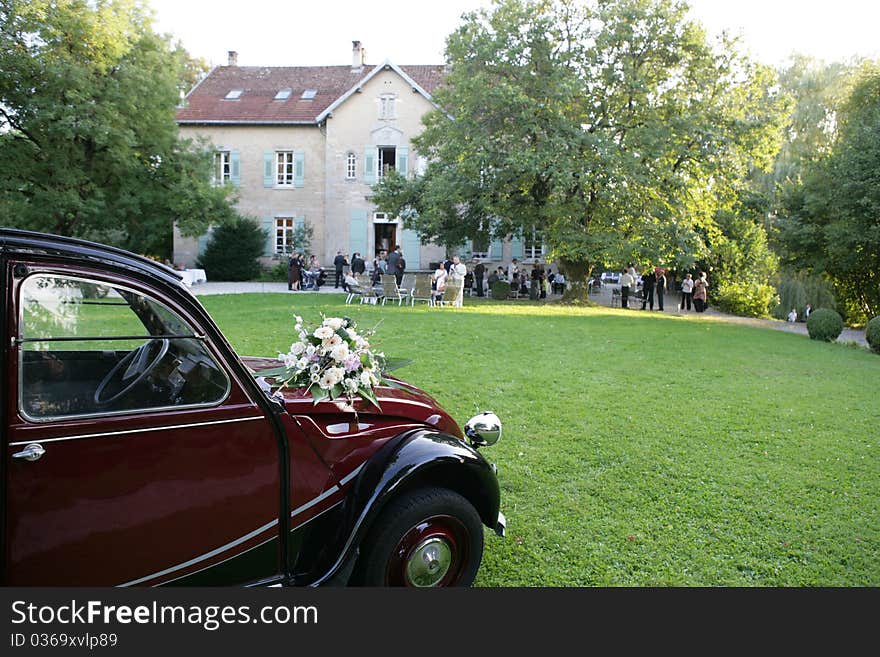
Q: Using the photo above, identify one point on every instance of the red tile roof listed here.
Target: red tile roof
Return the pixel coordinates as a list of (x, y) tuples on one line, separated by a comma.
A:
[(206, 102)]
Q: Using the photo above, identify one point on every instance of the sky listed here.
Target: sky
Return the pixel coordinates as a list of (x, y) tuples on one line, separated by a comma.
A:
[(286, 33)]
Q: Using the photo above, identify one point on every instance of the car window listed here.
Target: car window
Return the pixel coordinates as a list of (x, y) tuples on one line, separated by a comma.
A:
[(92, 348)]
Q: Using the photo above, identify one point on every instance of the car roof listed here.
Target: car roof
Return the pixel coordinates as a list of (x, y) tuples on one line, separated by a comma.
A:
[(25, 241)]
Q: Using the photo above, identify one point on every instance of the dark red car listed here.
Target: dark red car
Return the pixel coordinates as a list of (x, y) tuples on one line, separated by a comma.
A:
[(141, 450)]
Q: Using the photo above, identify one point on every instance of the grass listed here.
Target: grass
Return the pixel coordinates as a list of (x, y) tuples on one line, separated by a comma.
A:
[(640, 450)]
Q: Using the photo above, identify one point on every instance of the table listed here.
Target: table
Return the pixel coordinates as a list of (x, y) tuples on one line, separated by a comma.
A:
[(193, 276)]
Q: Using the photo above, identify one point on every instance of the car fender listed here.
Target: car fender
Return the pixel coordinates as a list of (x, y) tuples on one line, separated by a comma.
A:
[(413, 459)]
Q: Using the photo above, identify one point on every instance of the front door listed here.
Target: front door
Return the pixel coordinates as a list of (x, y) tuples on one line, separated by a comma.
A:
[(386, 237), (133, 456)]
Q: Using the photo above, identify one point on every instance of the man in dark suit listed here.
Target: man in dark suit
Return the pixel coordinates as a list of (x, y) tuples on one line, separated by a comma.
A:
[(358, 266), (648, 282), (339, 263), (479, 271)]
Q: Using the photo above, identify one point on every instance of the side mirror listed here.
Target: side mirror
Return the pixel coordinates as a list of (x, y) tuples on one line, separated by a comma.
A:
[(483, 429)]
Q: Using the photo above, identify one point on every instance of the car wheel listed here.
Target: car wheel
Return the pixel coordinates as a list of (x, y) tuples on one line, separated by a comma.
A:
[(429, 537)]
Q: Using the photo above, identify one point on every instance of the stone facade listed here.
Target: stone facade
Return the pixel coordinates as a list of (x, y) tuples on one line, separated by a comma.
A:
[(359, 120)]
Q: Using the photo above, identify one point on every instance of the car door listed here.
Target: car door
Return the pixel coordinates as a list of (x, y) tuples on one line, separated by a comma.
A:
[(132, 455)]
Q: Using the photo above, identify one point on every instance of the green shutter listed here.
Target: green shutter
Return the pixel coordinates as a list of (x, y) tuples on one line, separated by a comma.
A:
[(235, 168), (357, 234), (516, 248), (299, 168), (370, 165), (269, 227), (411, 245), (402, 157), (495, 250), (269, 169), (203, 243)]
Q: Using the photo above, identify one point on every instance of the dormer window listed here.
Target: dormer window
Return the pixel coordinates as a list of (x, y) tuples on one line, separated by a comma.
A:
[(283, 94), (235, 94), (309, 94)]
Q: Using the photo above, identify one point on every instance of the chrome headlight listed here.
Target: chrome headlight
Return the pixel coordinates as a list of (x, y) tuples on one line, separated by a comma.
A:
[(483, 429)]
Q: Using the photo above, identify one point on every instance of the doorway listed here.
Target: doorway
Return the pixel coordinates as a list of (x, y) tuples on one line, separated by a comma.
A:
[(385, 236)]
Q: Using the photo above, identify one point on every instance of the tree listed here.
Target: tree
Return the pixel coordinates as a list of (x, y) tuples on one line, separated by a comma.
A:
[(232, 252), (89, 143), (833, 221), (612, 126)]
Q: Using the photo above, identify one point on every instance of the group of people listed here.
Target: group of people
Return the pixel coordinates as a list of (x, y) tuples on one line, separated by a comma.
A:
[(302, 275), (655, 284)]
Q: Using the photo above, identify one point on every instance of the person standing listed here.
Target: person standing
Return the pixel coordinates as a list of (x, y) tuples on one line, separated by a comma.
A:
[(458, 270), (660, 276), (648, 281), (701, 296), (294, 272), (479, 272), (339, 263), (399, 267), (358, 266), (626, 282), (687, 291), (391, 262), (513, 271)]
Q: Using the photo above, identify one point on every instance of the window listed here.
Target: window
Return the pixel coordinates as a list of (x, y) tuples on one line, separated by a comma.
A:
[(386, 106), (309, 94), (284, 168), (222, 168), (533, 244), (387, 155), (480, 247), (351, 166), (284, 227), (235, 94), (94, 348), (283, 94)]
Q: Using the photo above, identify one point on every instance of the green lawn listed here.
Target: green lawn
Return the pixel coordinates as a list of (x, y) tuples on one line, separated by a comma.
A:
[(640, 450)]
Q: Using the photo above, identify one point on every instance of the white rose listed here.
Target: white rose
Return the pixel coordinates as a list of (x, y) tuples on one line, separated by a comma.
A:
[(310, 350), (334, 323), (323, 333), (340, 352), (337, 373), (365, 378), (297, 348)]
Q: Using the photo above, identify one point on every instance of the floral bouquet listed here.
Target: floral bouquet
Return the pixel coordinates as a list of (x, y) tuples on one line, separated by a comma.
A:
[(332, 361)]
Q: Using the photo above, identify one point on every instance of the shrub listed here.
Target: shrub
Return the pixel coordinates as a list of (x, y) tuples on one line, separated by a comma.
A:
[(872, 334), (824, 324), (232, 253), (500, 290), (745, 299)]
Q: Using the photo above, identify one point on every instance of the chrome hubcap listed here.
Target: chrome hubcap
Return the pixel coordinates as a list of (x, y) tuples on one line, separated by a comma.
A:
[(429, 562)]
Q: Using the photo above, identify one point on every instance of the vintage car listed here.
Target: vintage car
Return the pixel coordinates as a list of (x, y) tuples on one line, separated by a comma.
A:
[(141, 450)]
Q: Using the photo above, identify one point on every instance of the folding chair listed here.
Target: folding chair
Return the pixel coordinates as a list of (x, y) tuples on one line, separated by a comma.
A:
[(422, 290), (391, 291)]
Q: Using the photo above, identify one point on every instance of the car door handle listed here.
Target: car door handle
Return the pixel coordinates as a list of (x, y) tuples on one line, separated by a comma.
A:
[(30, 453)]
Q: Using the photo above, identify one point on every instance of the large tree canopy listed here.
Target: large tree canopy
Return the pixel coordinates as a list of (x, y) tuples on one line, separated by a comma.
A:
[(611, 126), (88, 140), (832, 221)]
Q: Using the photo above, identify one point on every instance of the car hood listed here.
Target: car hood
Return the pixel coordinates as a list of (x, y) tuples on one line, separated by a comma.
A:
[(407, 402)]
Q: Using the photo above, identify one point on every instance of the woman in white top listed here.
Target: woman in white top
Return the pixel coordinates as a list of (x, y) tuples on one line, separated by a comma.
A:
[(687, 291), (440, 275)]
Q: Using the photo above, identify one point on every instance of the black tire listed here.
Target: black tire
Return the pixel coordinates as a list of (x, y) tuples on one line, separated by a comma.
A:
[(427, 537)]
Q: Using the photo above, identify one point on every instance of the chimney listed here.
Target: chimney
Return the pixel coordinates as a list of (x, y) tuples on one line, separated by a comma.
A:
[(358, 55), (233, 58)]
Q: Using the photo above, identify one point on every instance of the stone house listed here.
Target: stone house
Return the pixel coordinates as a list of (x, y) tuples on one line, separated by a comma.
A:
[(305, 144)]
